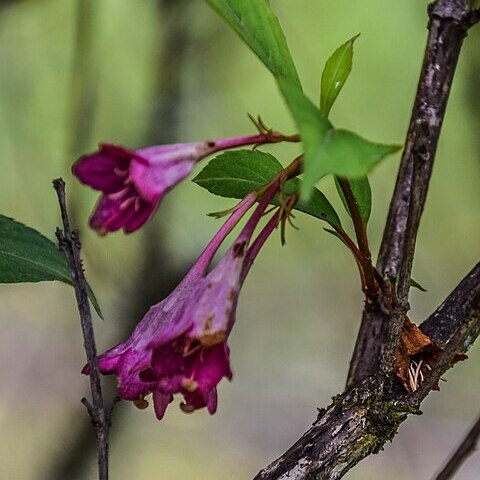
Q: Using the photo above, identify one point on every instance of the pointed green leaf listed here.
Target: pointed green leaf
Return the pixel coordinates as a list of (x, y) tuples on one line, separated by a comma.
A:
[(415, 284), (335, 74), (326, 150), (346, 154), (257, 25), (27, 256), (363, 196), (234, 174)]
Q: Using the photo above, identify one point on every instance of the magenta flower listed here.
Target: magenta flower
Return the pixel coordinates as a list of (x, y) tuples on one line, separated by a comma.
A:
[(194, 362), (133, 183), (180, 346), (129, 359)]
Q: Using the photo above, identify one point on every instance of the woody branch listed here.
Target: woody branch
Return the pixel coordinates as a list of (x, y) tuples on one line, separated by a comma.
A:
[(367, 415)]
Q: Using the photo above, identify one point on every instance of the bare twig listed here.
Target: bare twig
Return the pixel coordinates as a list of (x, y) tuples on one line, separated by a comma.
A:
[(447, 28), (466, 448), (99, 413), (380, 331)]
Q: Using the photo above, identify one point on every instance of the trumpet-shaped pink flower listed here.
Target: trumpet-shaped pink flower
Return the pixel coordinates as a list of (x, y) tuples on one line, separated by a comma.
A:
[(180, 346), (133, 183), (194, 362)]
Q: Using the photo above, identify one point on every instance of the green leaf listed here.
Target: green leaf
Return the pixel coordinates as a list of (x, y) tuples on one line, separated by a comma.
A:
[(363, 196), (313, 127), (335, 74), (347, 154), (326, 150), (257, 25), (234, 174), (415, 284), (27, 256)]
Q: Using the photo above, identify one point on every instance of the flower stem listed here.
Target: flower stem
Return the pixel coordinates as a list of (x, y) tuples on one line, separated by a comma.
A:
[(206, 257), (258, 139), (361, 233), (258, 243)]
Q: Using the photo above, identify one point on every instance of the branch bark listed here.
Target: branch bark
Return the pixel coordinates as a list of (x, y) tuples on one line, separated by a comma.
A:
[(360, 421), (99, 413), (382, 320), (454, 326)]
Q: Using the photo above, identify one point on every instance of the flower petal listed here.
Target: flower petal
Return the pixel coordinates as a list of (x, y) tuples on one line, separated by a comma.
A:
[(106, 209), (105, 170), (167, 166), (211, 401), (130, 385), (211, 366), (142, 214), (160, 403), (166, 361), (127, 211), (213, 304)]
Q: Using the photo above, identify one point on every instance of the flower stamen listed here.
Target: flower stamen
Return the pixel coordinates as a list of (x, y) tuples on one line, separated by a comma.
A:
[(120, 194), (126, 203), (186, 408), (189, 384), (186, 349), (120, 173), (141, 403)]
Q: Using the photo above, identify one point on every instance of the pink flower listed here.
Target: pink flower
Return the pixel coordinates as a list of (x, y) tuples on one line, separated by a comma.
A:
[(194, 362), (133, 183), (128, 359), (180, 346)]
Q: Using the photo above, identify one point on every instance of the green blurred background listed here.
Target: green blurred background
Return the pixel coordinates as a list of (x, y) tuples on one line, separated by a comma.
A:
[(77, 72)]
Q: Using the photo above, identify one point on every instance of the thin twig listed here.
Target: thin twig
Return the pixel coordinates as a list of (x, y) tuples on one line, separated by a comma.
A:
[(459, 456), (361, 235), (356, 217), (447, 28), (99, 413)]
